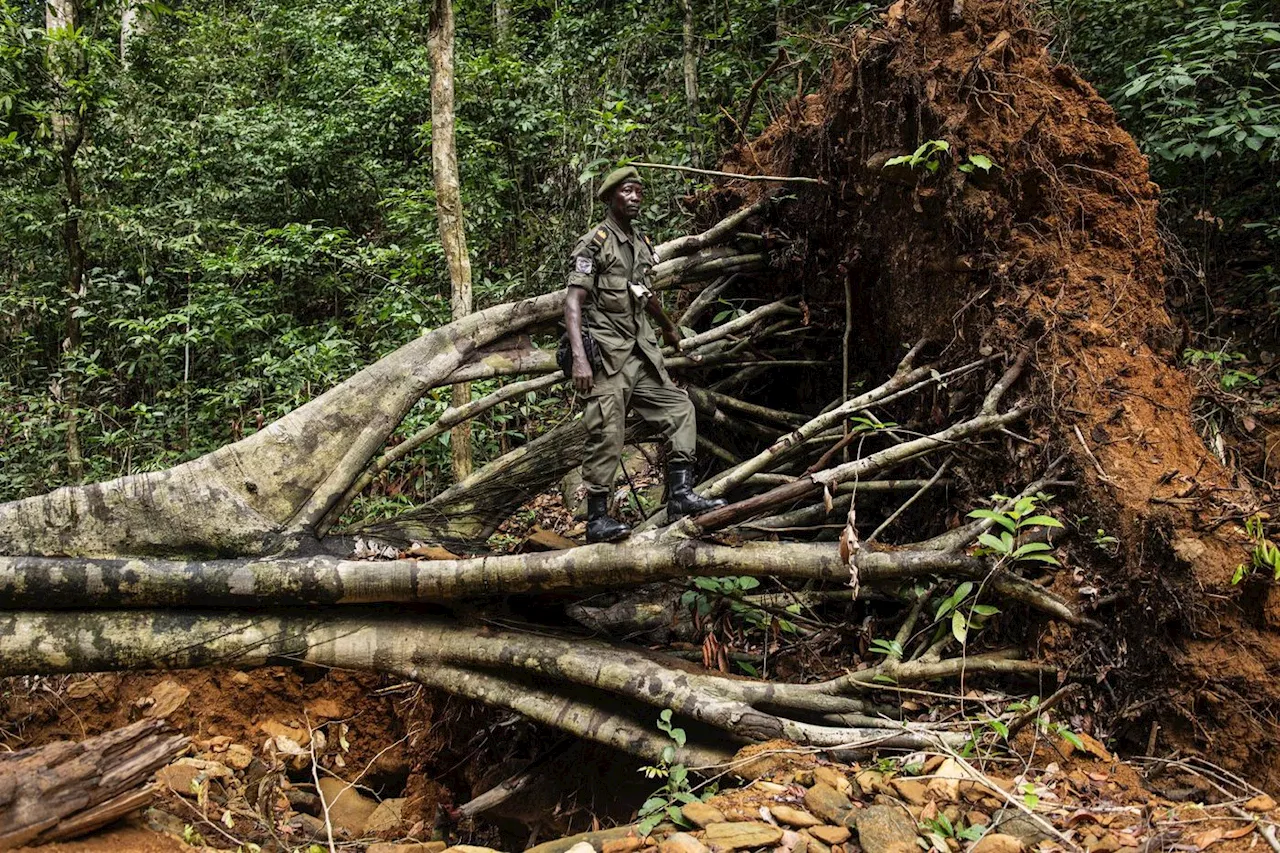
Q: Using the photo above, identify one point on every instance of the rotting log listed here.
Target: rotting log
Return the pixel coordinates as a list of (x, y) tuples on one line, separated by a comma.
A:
[(64, 790)]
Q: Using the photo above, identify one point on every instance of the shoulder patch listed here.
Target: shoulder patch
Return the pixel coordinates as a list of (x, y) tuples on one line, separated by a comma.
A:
[(597, 240), (583, 264)]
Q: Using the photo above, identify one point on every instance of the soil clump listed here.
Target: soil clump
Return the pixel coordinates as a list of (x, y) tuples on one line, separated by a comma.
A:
[(1053, 248)]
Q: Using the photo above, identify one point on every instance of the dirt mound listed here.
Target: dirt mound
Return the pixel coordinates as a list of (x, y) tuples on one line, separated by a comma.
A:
[(1023, 217)]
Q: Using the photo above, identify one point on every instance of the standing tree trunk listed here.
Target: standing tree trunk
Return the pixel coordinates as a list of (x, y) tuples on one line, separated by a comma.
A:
[(133, 23), (444, 162), (66, 64), (502, 21), (691, 77)]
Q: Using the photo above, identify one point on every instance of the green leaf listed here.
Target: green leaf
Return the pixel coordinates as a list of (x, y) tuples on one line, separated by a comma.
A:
[(985, 609), (993, 544), (982, 162), (675, 814), (959, 626), (1071, 738), (998, 517), (678, 736), (1031, 548), (1042, 520), (1241, 571), (1000, 728), (1043, 558), (745, 583)]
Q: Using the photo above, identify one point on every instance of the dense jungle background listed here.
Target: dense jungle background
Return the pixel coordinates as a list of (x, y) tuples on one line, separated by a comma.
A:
[(257, 219)]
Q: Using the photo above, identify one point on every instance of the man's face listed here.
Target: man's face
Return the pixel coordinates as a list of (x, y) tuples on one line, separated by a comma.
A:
[(626, 200)]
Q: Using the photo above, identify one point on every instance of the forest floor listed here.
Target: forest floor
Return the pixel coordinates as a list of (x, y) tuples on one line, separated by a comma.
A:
[(247, 779)]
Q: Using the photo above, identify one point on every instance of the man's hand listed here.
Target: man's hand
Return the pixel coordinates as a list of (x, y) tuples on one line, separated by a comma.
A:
[(583, 376), (671, 336)]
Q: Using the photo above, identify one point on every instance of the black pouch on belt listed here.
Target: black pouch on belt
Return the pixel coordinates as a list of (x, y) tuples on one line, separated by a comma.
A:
[(564, 354)]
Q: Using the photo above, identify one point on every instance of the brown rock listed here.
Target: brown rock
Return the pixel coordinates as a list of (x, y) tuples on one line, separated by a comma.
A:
[(997, 842), (406, 847), (885, 829), (185, 775), (623, 845), (325, 709), (103, 686), (308, 825), (831, 834), (911, 790), (701, 814), (770, 758), (167, 697), (813, 844), (1015, 823), (1260, 803), (243, 679), (277, 729), (833, 777), (793, 817), (387, 816), (803, 776), (738, 836), (180, 778), (682, 842), (238, 756), (947, 777), (348, 808), (828, 803)]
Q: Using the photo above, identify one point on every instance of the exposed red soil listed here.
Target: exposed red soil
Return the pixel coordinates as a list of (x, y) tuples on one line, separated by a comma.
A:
[(1056, 249)]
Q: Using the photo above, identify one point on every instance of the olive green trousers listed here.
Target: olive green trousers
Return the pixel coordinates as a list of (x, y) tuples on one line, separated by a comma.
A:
[(653, 397)]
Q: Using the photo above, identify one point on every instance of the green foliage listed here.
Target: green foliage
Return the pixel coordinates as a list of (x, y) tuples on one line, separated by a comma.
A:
[(704, 593), (1018, 519), (1264, 556), (1195, 82), (259, 219), (939, 829), (676, 791), (1219, 363), (928, 156)]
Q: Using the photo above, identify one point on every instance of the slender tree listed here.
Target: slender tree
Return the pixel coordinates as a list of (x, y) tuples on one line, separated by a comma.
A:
[(133, 23), (67, 63), (502, 21), (690, 57), (444, 162)]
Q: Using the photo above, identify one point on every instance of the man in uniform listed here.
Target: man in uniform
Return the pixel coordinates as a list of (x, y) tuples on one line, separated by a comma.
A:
[(609, 298)]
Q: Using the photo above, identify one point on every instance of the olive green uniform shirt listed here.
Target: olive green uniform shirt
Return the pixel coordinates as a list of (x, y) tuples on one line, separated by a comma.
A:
[(612, 314), (632, 376)]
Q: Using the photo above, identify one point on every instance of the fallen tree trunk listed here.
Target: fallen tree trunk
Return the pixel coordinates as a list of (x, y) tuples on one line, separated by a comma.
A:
[(478, 662), (37, 583), (65, 790)]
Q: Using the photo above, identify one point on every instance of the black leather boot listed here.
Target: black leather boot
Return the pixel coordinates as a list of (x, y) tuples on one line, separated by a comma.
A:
[(682, 500), (601, 527)]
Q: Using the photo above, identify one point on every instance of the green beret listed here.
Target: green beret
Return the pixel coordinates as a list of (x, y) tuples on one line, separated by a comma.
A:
[(615, 179)]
